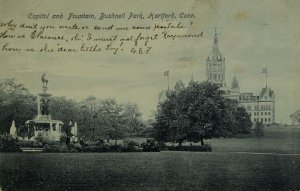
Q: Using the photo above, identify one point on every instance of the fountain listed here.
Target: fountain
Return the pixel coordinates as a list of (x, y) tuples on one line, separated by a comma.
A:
[(43, 124)]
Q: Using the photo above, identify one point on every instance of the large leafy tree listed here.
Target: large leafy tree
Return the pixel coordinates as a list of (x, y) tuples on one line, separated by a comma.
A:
[(64, 109), (108, 119), (16, 103), (113, 119), (132, 119), (195, 113)]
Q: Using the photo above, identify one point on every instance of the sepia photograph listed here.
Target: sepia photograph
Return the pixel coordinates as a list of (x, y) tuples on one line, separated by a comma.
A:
[(140, 95)]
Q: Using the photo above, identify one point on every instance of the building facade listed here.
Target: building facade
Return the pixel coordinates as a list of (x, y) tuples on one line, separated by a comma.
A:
[(261, 107)]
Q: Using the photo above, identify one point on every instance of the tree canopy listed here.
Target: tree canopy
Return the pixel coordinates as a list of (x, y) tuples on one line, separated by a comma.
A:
[(16, 103), (96, 118), (197, 112)]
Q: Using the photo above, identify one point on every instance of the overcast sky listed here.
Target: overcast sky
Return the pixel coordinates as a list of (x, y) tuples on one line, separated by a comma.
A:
[(253, 34)]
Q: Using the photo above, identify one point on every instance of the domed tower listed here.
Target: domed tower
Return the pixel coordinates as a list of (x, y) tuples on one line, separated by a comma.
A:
[(215, 65), (234, 89)]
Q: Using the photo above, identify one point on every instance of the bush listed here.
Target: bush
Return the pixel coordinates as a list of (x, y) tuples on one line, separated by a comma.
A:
[(35, 144), (131, 146), (99, 142), (56, 148), (77, 147), (9, 144), (63, 148), (47, 148), (116, 148), (151, 146), (39, 141), (62, 138), (92, 149), (259, 129), (195, 148)]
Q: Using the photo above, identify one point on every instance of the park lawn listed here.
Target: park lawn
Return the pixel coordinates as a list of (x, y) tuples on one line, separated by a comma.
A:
[(226, 168), (149, 171), (277, 139)]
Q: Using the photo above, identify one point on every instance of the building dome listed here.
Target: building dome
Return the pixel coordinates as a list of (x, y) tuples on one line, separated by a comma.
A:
[(235, 83)]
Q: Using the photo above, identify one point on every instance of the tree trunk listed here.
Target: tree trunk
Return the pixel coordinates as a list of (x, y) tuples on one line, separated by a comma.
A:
[(180, 143), (202, 142)]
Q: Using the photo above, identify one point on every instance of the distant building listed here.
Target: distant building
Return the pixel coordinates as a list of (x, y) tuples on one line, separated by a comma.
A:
[(261, 107), (215, 65)]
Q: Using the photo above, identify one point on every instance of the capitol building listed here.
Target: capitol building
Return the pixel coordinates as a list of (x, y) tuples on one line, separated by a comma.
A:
[(261, 107)]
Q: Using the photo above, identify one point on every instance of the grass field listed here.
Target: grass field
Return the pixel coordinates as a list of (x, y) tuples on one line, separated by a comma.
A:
[(149, 171), (223, 169), (277, 139)]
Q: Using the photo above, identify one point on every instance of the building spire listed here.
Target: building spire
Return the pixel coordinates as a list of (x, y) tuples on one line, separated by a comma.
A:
[(216, 39), (265, 71)]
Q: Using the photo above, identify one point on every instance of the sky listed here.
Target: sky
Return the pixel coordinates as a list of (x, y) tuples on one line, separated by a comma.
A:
[(253, 34)]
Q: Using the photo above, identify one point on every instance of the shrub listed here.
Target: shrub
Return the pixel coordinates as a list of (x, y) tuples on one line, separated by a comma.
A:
[(39, 140), (116, 148), (81, 142), (9, 144), (63, 148), (46, 148), (27, 144), (35, 144), (63, 138), (259, 129), (77, 147), (55, 148), (91, 149), (131, 146), (195, 148), (99, 142), (151, 146)]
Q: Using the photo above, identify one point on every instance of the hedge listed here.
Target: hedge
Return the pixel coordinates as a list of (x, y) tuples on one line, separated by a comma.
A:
[(195, 148)]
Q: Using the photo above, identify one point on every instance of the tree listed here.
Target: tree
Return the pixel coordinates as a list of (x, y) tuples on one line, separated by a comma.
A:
[(195, 113), (113, 118), (89, 117), (242, 121), (16, 103), (106, 119), (64, 109), (132, 118), (259, 129)]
